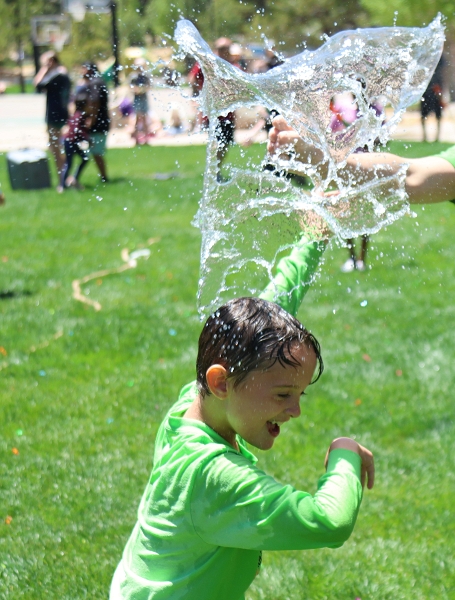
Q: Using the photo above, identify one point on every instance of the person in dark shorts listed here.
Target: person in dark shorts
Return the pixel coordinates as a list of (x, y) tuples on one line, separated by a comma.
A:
[(74, 139), (53, 79), (432, 100), (225, 127), (95, 93)]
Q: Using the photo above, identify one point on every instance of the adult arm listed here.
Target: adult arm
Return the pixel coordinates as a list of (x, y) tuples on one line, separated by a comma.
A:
[(46, 63), (428, 180), (40, 76)]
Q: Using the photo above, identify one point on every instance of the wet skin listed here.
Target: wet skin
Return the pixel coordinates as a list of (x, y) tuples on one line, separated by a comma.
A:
[(259, 405)]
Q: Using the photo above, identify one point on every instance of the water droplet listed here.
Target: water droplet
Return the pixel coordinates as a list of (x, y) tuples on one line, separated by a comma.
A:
[(364, 303), (264, 199)]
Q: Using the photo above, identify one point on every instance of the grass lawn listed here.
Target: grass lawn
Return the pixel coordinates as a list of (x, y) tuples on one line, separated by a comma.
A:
[(15, 88), (82, 392)]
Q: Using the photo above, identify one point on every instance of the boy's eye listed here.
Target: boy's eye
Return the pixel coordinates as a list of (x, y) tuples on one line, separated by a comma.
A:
[(284, 395)]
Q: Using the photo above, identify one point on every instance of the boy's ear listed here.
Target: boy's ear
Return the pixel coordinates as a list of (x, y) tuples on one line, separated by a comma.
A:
[(216, 377)]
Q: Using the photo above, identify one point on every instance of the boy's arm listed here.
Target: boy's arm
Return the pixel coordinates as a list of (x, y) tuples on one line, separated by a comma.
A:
[(294, 275), (235, 504)]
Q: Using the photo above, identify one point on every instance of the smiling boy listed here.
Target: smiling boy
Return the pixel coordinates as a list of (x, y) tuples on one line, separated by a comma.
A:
[(208, 511), (252, 399)]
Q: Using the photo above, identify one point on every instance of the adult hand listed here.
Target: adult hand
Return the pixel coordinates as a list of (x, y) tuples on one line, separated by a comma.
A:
[(281, 136), (284, 141)]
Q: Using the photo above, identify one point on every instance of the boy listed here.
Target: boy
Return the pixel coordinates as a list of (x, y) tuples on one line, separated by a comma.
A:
[(208, 511)]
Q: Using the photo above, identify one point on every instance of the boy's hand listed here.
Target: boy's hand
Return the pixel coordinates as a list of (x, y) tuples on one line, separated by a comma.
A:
[(367, 468)]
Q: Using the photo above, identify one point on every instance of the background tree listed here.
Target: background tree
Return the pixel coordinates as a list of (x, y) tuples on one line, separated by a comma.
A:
[(291, 24)]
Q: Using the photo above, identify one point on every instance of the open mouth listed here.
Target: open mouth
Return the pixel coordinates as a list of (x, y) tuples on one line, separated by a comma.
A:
[(274, 428)]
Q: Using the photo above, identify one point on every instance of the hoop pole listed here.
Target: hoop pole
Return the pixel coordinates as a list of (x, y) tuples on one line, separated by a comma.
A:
[(115, 43)]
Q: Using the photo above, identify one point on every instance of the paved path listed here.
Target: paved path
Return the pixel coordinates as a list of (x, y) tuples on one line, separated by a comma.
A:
[(22, 122)]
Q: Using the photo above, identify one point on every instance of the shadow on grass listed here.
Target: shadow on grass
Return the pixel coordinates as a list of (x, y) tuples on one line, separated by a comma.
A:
[(8, 294)]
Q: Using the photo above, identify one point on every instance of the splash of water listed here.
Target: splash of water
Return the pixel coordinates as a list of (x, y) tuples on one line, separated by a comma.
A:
[(250, 219)]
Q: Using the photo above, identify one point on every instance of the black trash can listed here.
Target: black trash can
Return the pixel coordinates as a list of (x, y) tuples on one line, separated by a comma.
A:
[(28, 169)]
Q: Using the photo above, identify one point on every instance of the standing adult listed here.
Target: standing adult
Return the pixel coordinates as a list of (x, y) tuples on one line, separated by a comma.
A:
[(432, 99), (225, 127), (97, 114), (196, 81), (53, 78)]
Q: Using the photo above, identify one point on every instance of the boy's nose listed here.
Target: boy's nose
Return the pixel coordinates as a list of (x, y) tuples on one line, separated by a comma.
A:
[(294, 409)]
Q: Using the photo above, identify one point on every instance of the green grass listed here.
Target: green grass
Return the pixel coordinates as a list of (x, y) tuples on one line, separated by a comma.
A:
[(83, 392), (15, 88)]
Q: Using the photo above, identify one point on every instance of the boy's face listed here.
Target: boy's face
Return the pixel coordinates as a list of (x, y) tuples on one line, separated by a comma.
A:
[(262, 402)]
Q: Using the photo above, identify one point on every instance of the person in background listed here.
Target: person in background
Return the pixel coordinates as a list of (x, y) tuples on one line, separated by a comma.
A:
[(225, 128), (53, 79), (432, 99), (345, 111), (196, 80), (176, 125), (265, 116), (95, 94), (140, 84), (76, 135), (226, 125), (236, 57)]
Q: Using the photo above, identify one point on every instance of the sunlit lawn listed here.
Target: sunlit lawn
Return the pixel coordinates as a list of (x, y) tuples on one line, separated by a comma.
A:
[(82, 392)]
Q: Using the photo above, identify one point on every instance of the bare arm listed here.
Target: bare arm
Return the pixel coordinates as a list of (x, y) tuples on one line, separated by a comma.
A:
[(428, 180), (91, 111), (40, 75)]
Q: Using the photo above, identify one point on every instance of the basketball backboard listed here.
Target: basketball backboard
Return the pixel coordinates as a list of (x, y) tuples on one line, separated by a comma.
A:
[(51, 30)]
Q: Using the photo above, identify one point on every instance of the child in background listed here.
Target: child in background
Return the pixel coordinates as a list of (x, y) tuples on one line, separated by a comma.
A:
[(76, 135), (208, 512), (175, 122), (345, 111), (140, 84)]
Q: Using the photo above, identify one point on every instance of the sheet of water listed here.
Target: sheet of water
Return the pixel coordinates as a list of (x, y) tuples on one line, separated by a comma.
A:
[(252, 217)]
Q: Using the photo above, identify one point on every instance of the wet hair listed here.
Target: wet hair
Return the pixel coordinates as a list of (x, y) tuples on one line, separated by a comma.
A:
[(80, 104), (250, 334), (92, 69)]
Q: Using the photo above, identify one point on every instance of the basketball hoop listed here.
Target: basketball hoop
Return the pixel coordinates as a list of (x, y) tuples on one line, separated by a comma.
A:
[(51, 30)]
